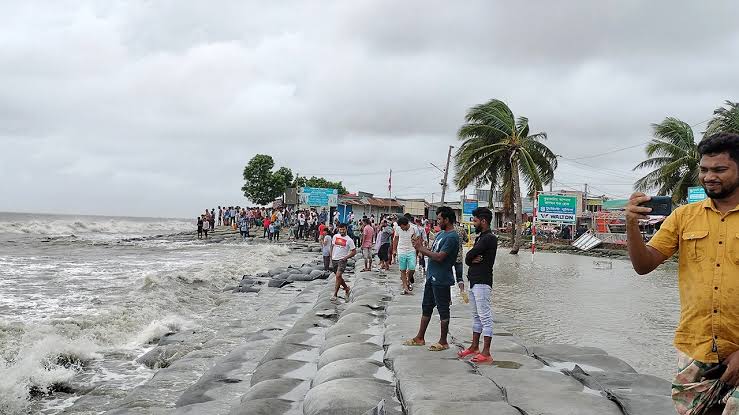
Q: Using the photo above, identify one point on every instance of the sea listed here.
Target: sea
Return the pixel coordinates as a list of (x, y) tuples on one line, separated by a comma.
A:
[(81, 297)]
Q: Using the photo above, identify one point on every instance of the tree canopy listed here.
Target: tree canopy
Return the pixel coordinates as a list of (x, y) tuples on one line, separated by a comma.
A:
[(499, 148), (261, 184)]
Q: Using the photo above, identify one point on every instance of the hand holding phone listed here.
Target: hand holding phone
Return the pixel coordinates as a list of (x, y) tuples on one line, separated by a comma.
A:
[(660, 205)]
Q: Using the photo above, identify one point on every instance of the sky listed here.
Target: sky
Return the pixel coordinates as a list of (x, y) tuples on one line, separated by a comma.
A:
[(153, 108)]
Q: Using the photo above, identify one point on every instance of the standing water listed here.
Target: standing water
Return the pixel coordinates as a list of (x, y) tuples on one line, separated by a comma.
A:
[(80, 301), (562, 298)]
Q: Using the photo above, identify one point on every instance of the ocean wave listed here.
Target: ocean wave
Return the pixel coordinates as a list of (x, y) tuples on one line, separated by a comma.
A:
[(63, 227), (48, 362), (45, 355)]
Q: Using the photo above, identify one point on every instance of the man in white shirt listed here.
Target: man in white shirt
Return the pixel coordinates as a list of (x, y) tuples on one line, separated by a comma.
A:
[(342, 248), (301, 225), (404, 252)]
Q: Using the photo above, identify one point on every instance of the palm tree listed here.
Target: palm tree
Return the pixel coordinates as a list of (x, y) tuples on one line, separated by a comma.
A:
[(725, 120), (673, 154), (498, 149)]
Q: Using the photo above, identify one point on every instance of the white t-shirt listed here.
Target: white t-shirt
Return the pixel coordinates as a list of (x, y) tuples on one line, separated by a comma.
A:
[(405, 243), (301, 219), (343, 245)]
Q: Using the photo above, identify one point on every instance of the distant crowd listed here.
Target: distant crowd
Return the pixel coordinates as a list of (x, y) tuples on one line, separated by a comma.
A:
[(301, 224)]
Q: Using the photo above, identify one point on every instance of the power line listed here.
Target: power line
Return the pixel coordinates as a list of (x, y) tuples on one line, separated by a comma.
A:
[(568, 186), (616, 150), (699, 123), (597, 170), (609, 152), (367, 173)]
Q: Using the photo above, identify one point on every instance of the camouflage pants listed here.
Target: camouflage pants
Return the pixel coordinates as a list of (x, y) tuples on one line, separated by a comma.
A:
[(694, 396)]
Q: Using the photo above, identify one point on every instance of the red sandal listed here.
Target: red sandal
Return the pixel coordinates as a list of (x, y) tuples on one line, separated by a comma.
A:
[(465, 353), (481, 359)]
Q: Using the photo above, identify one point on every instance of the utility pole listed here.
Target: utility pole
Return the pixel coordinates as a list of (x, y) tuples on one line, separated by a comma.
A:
[(446, 174)]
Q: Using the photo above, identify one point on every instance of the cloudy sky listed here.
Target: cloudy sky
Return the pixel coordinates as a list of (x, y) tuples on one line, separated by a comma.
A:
[(152, 108)]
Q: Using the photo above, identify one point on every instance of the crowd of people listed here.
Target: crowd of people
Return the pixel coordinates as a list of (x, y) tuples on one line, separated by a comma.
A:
[(273, 223)]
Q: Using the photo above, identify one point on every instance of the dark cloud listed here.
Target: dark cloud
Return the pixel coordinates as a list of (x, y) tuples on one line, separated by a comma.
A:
[(153, 108)]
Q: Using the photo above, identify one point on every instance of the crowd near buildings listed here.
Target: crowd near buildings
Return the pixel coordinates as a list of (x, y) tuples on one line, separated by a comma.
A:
[(287, 219)]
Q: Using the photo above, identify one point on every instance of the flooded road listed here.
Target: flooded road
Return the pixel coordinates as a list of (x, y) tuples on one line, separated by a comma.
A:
[(563, 298)]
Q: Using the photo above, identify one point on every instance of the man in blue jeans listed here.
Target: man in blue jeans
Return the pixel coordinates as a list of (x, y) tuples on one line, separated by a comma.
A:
[(439, 278), (480, 260)]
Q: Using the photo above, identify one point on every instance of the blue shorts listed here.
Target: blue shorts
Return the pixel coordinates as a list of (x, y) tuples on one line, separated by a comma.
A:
[(407, 261)]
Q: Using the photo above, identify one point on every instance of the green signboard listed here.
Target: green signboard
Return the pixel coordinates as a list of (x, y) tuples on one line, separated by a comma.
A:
[(696, 194), (557, 208), (615, 204)]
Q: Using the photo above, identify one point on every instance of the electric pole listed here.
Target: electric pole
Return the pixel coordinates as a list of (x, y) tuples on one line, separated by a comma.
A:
[(446, 174)]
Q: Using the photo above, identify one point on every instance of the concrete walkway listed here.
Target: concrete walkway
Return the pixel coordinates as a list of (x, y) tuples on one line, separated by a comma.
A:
[(340, 353)]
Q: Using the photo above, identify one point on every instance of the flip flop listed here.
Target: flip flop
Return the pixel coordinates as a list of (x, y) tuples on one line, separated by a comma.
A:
[(413, 342), (436, 347), (465, 353), (481, 359)]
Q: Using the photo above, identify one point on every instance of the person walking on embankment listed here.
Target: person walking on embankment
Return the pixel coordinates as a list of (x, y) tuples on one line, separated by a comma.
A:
[(480, 260), (342, 248), (405, 253), (368, 237), (706, 235)]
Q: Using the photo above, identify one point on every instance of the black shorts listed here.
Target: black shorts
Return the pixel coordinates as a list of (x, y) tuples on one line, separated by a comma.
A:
[(383, 253), (439, 296), (338, 266)]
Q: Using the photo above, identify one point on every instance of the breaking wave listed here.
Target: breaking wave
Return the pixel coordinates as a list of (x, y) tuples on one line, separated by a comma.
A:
[(62, 227), (45, 356)]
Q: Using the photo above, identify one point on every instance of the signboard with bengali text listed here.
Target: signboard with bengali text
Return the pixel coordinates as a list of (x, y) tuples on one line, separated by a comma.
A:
[(468, 206), (557, 208), (317, 196), (696, 194)]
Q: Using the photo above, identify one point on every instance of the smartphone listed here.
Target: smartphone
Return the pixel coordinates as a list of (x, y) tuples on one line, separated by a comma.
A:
[(661, 205)]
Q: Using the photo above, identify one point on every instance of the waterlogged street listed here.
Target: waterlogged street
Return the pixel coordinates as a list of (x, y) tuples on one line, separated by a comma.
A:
[(563, 298)]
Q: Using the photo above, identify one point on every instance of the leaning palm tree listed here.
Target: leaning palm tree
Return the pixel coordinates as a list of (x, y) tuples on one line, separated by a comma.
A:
[(725, 120), (673, 156), (498, 149)]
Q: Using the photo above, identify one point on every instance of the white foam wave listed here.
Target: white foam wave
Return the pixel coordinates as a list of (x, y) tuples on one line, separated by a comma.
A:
[(48, 361), (63, 227), (158, 328), (42, 354)]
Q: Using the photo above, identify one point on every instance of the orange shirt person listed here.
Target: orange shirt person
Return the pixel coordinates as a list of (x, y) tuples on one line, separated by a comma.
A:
[(706, 235)]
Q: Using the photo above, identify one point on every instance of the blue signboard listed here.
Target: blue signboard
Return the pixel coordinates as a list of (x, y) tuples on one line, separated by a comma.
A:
[(696, 194), (317, 196), (468, 206)]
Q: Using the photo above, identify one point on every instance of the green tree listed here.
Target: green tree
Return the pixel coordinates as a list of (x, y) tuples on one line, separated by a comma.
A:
[(319, 182), (499, 149), (261, 185), (725, 120), (673, 156)]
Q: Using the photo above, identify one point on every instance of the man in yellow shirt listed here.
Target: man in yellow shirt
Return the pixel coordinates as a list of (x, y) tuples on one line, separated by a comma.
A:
[(706, 235)]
